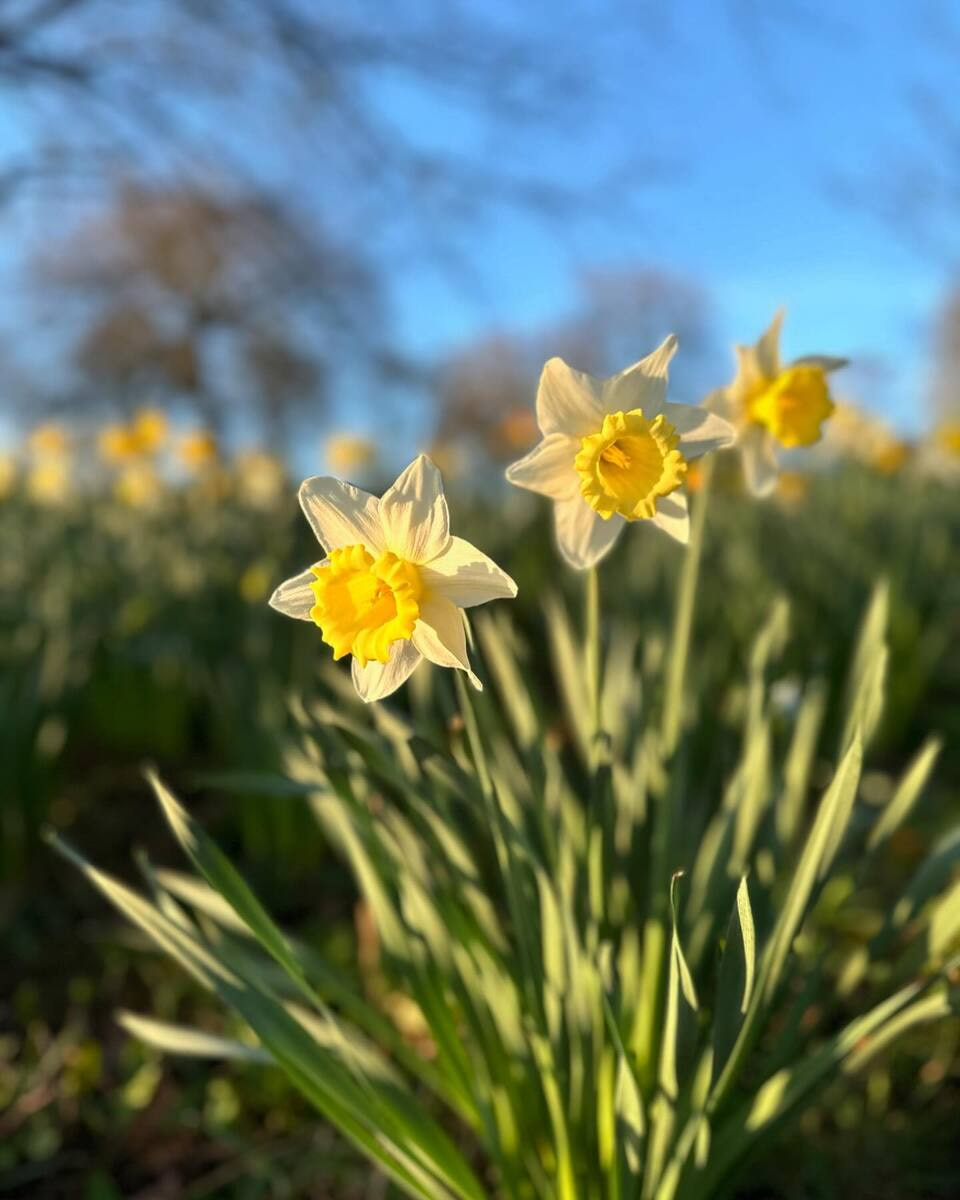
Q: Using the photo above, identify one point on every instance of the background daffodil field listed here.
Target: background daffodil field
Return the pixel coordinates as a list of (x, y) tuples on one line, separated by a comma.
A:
[(670, 909)]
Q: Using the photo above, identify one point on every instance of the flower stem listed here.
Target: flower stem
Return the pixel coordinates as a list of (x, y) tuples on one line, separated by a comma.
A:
[(593, 660), (672, 720), (663, 800)]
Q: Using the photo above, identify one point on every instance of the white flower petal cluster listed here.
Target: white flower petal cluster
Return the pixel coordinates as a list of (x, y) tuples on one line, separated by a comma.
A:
[(439, 574), (571, 410)]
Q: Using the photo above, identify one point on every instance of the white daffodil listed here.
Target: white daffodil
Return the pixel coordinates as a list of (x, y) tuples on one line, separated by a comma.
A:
[(391, 589), (770, 403), (614, 450)]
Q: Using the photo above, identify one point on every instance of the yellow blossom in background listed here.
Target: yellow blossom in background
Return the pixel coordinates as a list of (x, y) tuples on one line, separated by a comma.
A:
[(694, 478), (614, 451), (774, 404), (889, 454), (149, 430), (198, 450), (793, 487), (48, 481), (854, 433), (117, 444), (447, 457), (139, 486), (947, 438), (142, 438), (517, 430), (50, 440), (849, 428), (938, 455), (391, 589), (260, 478), (349, 452)]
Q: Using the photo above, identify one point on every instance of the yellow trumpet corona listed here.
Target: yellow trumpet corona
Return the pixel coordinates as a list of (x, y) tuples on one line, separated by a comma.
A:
[(364, 605), (629, 464)]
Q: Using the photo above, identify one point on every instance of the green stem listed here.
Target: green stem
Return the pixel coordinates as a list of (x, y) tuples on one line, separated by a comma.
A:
[(646, 1037), (592, 646), (683, 619)]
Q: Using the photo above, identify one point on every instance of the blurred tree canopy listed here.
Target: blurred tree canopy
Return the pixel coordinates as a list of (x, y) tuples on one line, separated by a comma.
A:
[(232, 179)]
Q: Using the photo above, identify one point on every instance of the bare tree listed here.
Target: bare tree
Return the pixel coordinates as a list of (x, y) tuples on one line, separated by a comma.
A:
[(252, 165)]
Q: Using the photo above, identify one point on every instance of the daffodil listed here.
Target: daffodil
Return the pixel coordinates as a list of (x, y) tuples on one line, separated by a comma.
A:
[(48, 481), (198, 450), (141, 439), (260, 478), (394, 581), (771, 403), (855, 433), (793, 488), (139, 486), (117, 444), (948, 438), (516, 430), (350, 452), (149, 429), (938, 455), (890, 455), (615, 451), (50, 441)]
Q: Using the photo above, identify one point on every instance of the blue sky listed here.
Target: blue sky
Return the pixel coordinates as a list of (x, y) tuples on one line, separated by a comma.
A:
[(752, 112), (756, 126)]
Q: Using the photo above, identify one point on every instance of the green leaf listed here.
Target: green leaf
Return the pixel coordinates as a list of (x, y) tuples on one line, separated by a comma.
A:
[(911, 784), (824, 840), (191, 1043), (223, 877), (796, 773), (382, 1119), (736, 977), (784, 1092), (679, 1032), (865, 686)]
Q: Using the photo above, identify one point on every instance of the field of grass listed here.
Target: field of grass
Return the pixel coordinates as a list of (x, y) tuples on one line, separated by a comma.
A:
[(132, 636)]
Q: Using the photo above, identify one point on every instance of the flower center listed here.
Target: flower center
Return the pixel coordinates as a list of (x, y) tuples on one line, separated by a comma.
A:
[(793, 406), (365, 605), (628, 464)]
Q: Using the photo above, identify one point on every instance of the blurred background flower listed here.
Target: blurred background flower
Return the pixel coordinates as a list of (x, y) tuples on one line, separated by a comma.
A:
[(348, 453)]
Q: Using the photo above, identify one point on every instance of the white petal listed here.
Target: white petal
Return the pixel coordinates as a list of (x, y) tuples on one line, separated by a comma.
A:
[(340, 514), (583, 537), (376, 680), (723, 403), (439, 636), (759, 460), (767, 349), (673, 517), (548, 468), (749, 375), (416, 523), (824, 361), (700, 431), (644, 385), (465, 575), (294, 597), (568, 401)]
